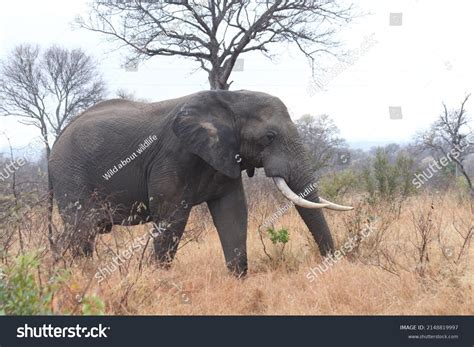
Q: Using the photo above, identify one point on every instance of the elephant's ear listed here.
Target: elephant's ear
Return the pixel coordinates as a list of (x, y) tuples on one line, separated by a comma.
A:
[(209, 132)]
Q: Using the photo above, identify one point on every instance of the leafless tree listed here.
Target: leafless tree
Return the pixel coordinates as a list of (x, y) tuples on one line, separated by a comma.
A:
[(216, 32), (320, 134), (47, 89), (125, 94), (129, 95), (451, 137)]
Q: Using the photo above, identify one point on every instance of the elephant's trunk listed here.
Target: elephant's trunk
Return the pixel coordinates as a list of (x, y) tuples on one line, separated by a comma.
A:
[(303, 181), (314, 219), (297, 182)]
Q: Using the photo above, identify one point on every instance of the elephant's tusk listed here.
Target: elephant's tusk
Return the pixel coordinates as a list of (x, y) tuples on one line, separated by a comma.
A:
[(290, 195), (335, 207)]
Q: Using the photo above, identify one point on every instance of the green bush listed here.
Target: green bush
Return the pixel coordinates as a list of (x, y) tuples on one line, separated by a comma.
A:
[(388, 181), (338, 183), (20, 293), (405, 170)]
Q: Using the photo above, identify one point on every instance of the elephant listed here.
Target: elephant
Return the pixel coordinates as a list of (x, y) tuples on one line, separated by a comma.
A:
[(152, 162)]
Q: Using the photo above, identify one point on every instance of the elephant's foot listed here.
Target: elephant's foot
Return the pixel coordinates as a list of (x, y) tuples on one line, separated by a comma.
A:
[(165, 244), (163, 265), (164, 253), (164, 257), (83, 247), (238, 267), (83, 250)]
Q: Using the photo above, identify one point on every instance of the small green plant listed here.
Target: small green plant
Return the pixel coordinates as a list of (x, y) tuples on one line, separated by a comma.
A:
[(279, 257), (20, 293), (278, 236), (92, 306)]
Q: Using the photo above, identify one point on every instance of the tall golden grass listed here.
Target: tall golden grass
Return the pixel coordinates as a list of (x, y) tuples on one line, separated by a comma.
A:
[(416, 261)]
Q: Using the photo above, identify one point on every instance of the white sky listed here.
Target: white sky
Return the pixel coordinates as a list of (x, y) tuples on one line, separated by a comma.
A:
[(415, 66)]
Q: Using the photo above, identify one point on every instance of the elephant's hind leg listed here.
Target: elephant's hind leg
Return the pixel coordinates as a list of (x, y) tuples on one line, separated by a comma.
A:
[(80, 228), (84, 245), (79, 236)]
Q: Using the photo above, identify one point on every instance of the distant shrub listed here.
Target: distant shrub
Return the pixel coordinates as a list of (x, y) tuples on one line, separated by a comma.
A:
[(405, 169), (384, 180), (338, 183)]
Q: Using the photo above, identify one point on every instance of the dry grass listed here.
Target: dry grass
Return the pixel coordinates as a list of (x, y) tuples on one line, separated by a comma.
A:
[(412, 263)]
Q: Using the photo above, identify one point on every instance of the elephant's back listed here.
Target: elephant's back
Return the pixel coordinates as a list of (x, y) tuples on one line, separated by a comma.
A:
[(118, 111), (106, 119), (113, 106), (107, 108), (102, 132), (107, 130)]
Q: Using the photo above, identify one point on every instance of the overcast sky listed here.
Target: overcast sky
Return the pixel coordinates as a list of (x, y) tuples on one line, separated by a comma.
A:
[(410, 67)]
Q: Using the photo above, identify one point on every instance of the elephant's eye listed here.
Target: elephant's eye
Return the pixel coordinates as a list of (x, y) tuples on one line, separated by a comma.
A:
[(270, 136)]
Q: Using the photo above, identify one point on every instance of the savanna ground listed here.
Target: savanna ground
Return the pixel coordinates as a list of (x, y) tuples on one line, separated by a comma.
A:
[(417, 260)]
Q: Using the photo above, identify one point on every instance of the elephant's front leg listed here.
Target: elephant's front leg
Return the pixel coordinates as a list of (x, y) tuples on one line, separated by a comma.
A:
[(168, 229), (229, 214)]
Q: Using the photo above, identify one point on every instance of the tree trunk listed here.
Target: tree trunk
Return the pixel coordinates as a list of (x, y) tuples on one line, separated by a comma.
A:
[(50, 199), (460, 165), (217, 81)]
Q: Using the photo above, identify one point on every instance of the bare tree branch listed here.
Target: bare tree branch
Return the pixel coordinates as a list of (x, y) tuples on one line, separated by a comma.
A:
[(449, 136), (216, 32), (47, 90), (320, 134)]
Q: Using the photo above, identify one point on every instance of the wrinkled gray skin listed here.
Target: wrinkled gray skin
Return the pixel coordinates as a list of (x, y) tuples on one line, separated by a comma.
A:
[(195, 159)]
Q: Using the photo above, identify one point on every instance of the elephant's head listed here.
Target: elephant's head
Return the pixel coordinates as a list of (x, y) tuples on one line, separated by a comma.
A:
[(240, 130)]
